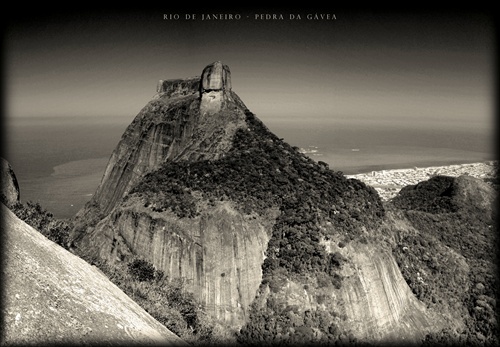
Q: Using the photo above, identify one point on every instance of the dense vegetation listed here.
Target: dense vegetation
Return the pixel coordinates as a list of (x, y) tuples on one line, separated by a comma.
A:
[(451, 262), (278, 323), (163, 298), (261, 172), (35, 215)]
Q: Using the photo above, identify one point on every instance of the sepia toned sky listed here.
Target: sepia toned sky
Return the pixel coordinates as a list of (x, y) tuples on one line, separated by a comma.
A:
[(405, 64)]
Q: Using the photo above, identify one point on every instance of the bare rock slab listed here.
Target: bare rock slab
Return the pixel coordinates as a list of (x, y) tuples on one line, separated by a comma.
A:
[(52, 296)]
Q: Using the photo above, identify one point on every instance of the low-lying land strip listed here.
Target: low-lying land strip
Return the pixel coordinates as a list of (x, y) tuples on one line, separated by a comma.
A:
[(389, 182)]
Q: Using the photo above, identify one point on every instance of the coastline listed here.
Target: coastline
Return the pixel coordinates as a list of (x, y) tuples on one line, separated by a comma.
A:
[(71, 184), (66, 190), (389, 182)]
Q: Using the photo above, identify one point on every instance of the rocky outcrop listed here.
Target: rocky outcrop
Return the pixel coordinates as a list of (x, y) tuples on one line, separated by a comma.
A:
[(215, 77), (200, 188), (10, 188), (377, 301), (219, 254), (177, 87), (50, 296), (176, 125), (215, 88)]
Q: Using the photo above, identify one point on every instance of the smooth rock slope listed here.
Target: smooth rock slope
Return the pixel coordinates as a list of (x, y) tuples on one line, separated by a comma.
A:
[(378, 302), (52, 296)]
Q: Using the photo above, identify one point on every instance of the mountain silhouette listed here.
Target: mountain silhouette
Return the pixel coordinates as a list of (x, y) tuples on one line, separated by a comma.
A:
[(270, 242)]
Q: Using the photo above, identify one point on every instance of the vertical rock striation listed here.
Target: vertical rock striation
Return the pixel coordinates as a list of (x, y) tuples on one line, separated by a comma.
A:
[(216, 77), (215, 87), (378, 302), (218, 254)]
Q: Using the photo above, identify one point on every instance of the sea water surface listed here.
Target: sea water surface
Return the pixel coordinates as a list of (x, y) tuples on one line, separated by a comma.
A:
[(59, 161)]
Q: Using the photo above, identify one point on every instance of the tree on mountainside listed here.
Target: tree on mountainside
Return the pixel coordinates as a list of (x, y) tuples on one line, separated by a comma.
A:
[(36, 216)]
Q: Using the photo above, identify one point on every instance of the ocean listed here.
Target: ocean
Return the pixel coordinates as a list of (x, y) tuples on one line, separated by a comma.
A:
[(59, 161)]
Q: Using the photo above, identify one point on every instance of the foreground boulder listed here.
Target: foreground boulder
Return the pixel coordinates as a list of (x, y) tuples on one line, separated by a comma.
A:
[(52, 296)]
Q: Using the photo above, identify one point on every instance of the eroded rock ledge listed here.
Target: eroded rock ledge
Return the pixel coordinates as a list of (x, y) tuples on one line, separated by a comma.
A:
[(177, 87)]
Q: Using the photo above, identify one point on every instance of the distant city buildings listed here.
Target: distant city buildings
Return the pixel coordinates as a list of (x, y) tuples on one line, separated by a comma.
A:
[(388, 183)]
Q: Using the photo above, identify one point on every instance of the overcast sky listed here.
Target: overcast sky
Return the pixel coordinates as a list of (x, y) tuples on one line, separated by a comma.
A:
[(392, 64)]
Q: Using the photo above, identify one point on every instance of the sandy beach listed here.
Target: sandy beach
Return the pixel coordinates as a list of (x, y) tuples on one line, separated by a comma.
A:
[(389, 182)]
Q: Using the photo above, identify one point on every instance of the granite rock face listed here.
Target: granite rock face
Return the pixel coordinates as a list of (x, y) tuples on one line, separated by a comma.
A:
[(177, 87), (51, 296), (178, 124), (181, 123), (10, 187), (220, 250), (219, 254), (378, 302), (216, 77), (215, 88)]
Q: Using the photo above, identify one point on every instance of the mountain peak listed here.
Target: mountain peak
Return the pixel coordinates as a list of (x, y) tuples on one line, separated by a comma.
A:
[(191, 118), (199, 187), (215, 77)]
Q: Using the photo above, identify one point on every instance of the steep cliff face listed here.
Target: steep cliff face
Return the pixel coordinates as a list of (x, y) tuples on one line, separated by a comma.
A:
[(377, 300), (183, 122), (219, 253), (202, 189), (215, 87), (370, 302), (216, 77), (51, 296)]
